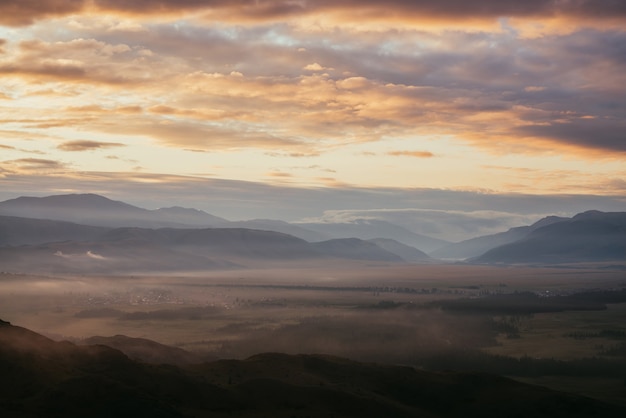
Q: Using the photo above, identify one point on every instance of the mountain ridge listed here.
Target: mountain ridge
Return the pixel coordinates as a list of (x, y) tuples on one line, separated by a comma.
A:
[(195, 244), (477, 246), (586, 237), (86, 249), (366, 229), (97, 210)]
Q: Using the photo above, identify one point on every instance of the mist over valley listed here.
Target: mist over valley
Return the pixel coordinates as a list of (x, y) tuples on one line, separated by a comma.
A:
[(210, 299)]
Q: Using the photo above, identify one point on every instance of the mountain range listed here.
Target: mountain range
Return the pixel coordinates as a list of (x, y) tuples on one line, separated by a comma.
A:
[(374, 228), (42, 377), (90, 233), (588, 236), (123, 250), (92, 209), (474, 247)]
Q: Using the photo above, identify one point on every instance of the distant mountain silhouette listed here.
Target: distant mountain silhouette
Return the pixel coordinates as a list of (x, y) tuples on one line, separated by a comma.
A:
[(241, 242), (41, 377), (81, 232), (96, 210), (281, 226), (587, 237), (21, 231), (187, 216), (93, 209), (406, 252), (354, 248), (476, 246), (84, 249), (372, 228)]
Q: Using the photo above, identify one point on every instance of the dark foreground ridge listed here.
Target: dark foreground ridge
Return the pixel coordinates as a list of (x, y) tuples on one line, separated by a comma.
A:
[(41, 377)]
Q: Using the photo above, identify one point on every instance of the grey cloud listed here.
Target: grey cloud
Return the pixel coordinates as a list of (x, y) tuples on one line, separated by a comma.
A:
[(588, 133)]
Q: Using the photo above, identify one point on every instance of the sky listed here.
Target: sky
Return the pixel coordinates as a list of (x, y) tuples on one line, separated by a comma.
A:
[(490, 112)]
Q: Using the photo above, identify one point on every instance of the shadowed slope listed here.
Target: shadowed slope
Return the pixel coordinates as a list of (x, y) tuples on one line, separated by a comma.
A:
[(148, 351), (41, 377)]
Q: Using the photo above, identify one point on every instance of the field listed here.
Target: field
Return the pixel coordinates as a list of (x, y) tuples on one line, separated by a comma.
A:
[(563, 328)]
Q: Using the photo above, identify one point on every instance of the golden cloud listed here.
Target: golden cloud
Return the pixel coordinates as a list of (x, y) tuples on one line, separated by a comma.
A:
[(417, 154), (198, 89), (25, 12), (33, 165), (84, 145)]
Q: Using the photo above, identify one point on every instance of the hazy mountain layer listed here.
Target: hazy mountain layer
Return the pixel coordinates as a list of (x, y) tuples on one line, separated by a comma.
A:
[(589, 236), (476, 246), (406, 252), (84, 249), (92, 209), (41, 377), (21, 231), (281, 226), (51, 242), (371, 228), (356, 249)]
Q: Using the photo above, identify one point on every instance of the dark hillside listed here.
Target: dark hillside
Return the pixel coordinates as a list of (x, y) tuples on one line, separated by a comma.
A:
[(41, 377)]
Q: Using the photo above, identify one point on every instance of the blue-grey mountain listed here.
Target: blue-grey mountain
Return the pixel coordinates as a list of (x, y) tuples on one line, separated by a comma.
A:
[(591, 236)]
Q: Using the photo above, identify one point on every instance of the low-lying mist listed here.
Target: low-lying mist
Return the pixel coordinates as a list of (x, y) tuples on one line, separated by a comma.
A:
[(529, 323)]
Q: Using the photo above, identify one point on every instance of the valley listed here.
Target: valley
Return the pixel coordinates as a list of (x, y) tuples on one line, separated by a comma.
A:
[(383, 314), (205, 298)]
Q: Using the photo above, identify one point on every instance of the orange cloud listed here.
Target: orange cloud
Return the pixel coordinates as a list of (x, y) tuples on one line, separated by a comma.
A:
[(212, 87), (33, 165), (279, 174), (417, 154), (87, 145), (78, 60), (25, 12)]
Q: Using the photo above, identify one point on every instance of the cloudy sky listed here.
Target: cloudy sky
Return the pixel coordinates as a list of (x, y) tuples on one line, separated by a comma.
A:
[(491, 109)]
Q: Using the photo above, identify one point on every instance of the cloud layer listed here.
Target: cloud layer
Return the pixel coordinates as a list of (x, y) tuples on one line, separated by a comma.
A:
[(498, 95), (24, 12)]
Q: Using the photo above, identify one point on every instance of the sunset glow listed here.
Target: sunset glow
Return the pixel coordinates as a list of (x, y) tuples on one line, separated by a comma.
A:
[(491, 97)]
